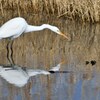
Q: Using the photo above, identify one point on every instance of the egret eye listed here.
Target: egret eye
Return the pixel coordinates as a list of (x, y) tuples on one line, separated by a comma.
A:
[(58, 31)]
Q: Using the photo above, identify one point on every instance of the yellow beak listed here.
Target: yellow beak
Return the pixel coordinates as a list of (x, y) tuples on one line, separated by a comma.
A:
[(64, 35)]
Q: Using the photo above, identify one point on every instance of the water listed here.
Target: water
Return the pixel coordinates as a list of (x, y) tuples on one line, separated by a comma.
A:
[(45, 49)]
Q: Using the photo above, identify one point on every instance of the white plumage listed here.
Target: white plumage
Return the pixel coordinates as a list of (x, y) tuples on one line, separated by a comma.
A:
[(16, 26), (19, 76)]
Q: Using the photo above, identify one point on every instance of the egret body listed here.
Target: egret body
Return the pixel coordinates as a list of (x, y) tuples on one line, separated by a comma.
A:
[(16, 26)]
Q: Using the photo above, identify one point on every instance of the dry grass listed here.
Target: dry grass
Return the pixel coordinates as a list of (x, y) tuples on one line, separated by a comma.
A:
[(84, 10)]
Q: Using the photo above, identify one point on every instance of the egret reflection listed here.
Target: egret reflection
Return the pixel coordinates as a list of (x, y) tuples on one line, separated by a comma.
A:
[(19, 76)]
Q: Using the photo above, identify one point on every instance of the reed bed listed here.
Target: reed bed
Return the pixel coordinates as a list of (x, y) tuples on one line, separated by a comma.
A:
[(84, 10)]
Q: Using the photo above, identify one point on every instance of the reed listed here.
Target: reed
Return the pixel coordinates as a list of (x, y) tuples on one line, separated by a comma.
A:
[(84, 10)]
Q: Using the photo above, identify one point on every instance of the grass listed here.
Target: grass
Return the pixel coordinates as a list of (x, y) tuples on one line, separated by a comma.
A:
[(83, 10)]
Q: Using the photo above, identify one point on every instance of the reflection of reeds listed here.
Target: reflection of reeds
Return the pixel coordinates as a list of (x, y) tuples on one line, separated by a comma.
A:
[(85, 10)]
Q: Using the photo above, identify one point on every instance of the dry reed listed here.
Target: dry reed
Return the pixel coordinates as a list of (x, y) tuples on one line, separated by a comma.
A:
[(84, 10)]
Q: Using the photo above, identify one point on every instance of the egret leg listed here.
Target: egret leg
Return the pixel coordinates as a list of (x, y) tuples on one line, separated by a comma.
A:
[(10, 52)]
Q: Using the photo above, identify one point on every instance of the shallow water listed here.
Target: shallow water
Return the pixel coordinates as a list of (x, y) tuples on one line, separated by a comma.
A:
[(45, 49)]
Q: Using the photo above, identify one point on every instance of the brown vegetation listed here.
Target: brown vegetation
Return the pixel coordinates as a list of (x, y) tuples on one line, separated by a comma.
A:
[(85, 10)]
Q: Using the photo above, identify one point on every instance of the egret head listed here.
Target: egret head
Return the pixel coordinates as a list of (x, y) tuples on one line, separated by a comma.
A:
[(54, 29)]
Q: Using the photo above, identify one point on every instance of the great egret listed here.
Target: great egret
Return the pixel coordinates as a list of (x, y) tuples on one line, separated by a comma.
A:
[(16, 26), (19, 76)]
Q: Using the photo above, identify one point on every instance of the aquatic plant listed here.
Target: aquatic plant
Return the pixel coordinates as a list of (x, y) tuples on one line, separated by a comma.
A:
[(84, 10)]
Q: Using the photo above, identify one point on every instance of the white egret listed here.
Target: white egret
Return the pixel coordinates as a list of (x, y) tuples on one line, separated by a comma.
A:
[(16, 26), (19, 76)]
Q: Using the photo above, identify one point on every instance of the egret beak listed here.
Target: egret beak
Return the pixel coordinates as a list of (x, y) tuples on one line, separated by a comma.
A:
[(64, 35)]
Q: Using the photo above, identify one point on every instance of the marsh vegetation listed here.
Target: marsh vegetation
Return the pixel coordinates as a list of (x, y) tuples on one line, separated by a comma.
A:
[(83, 10)]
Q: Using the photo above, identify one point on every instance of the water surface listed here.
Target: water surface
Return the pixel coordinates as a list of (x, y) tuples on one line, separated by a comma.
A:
[(45, 49)]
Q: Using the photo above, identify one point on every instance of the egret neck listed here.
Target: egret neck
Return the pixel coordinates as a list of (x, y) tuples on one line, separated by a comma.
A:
[(31, 28)]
